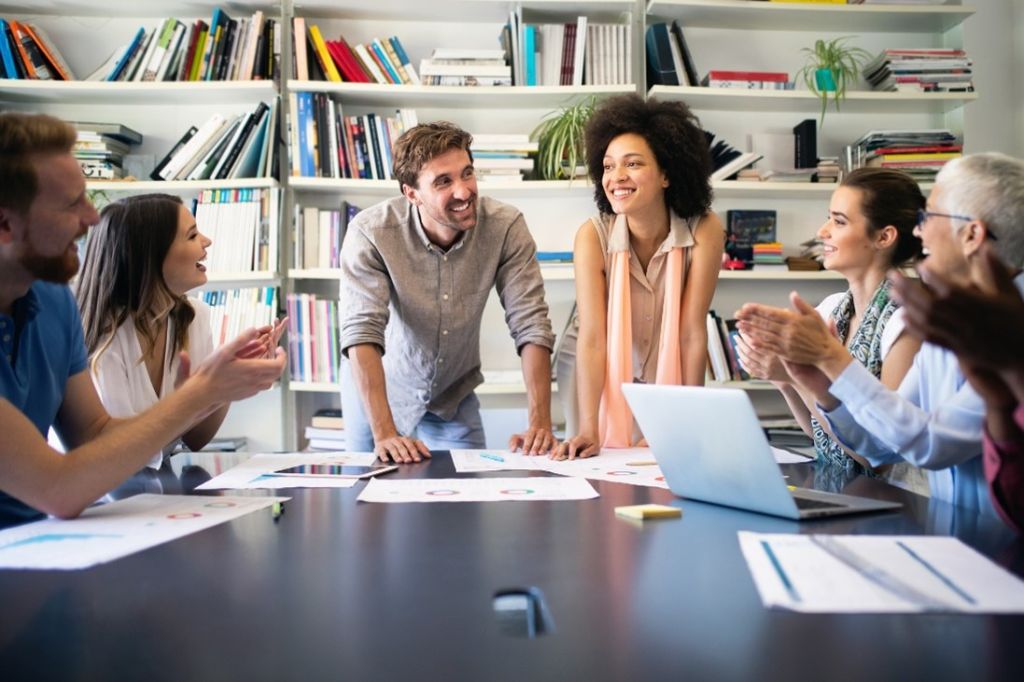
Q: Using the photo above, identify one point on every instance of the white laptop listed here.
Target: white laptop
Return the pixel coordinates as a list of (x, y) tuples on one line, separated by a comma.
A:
[(711, 448)]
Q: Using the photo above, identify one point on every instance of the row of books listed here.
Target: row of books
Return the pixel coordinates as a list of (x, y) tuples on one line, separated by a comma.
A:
[(221, 50), (313, 346), (323, 142), (377, 61), (919, 152), (101, 147), (748, 80), (669, 61), (318, 234), (223, 147), (458, 67), (920, 70), (242, 224), (572, 53), (27, 52), (723, 359), (235, 310)]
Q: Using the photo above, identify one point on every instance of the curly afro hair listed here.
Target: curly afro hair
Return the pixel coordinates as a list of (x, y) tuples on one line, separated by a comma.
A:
[(674, 135)]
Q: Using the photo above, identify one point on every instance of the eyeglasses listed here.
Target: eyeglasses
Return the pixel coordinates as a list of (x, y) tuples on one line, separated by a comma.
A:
[(923, 216)]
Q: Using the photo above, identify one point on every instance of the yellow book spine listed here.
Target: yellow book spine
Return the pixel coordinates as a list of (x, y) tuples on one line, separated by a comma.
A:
[(330, 70)]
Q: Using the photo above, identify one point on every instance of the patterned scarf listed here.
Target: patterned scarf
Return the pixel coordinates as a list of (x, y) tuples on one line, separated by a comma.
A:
[(866, 348)]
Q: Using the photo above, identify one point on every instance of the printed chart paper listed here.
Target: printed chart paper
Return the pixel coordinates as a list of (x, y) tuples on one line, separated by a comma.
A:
[(115, 530), (634, 466), (257, 471), (877, 574), (477, 490)]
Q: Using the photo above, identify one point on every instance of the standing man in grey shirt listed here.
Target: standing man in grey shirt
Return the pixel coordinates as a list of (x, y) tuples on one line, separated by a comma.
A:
[(416, 274)]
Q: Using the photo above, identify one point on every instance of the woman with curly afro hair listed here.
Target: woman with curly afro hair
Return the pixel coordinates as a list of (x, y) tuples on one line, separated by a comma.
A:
[(646, 268)]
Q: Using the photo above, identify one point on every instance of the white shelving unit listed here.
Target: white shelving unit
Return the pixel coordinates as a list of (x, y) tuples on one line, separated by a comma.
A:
[(773, 16), (731, 34)]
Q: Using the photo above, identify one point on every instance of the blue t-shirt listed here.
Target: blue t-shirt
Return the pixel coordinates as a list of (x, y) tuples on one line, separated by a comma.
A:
[(41, 347)]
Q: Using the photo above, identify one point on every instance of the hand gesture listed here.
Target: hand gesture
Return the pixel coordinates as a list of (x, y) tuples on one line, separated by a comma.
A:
[(761, 364), (230, 374)]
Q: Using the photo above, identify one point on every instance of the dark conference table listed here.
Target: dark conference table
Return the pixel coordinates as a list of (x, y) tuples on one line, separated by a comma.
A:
[(342, 590)]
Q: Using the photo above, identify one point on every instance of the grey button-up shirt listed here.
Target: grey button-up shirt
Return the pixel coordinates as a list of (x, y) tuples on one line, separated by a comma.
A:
[(423, 306)]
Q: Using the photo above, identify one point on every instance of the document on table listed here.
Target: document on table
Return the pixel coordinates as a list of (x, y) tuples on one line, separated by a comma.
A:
[(477, 490), (877, 574), (783, 456), (474, 461), (634, 466), (115, 530), (257, 472)]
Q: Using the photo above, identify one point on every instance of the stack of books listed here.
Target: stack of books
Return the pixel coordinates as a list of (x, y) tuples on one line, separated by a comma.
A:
[(503, 157), (768, 256), (101, 148), (223, 49), (313, 348), (919, 152), (790, 175), (26, 52), (827, 169), (242, 225), (325, 143), (450, 66), (232, 311), (326, 430), (318, 235), (224, 147), (748, 80), (381, 61), (920, 70)]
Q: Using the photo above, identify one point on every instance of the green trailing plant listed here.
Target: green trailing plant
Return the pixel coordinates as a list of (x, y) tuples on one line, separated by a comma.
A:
[(560, 140), (842, 63)]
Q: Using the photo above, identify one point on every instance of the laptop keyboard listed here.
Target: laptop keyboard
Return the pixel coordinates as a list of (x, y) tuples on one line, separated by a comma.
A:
[(804, 503)]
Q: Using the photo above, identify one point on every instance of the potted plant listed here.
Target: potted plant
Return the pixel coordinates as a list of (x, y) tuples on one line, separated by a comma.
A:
[(560, 141), (831, 67)]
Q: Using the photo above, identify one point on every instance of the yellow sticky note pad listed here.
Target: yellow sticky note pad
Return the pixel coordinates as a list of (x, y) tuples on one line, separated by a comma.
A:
[(648, 511)]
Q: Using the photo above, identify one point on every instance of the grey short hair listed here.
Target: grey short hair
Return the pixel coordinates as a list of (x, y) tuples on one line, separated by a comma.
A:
[(989, 187)]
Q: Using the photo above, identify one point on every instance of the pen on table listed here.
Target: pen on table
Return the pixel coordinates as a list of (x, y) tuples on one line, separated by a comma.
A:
[(276, 510), (642, 463), (492, 457), (780, 571)]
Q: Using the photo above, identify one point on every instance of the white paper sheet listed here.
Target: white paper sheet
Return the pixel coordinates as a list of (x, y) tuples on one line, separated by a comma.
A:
[(877, 574), (473, 461), (633, 466), (254, 473), (477, 490), (786, 457), (115, 530)]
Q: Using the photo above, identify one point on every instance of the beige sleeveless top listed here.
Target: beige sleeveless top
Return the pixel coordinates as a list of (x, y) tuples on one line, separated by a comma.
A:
[(646, 289)]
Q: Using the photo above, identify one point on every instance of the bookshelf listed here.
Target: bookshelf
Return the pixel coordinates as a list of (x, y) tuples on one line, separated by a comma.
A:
[(771, 16), (553, 209), (727, 34)]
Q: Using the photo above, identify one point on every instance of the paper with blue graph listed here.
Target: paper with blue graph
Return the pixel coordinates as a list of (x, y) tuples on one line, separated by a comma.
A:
[(877, 574), (115, 530)]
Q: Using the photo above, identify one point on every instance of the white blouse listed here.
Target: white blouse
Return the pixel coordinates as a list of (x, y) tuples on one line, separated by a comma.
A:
[(121, 378)]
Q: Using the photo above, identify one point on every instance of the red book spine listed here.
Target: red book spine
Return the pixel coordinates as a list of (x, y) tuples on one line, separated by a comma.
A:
[(770, 76)]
